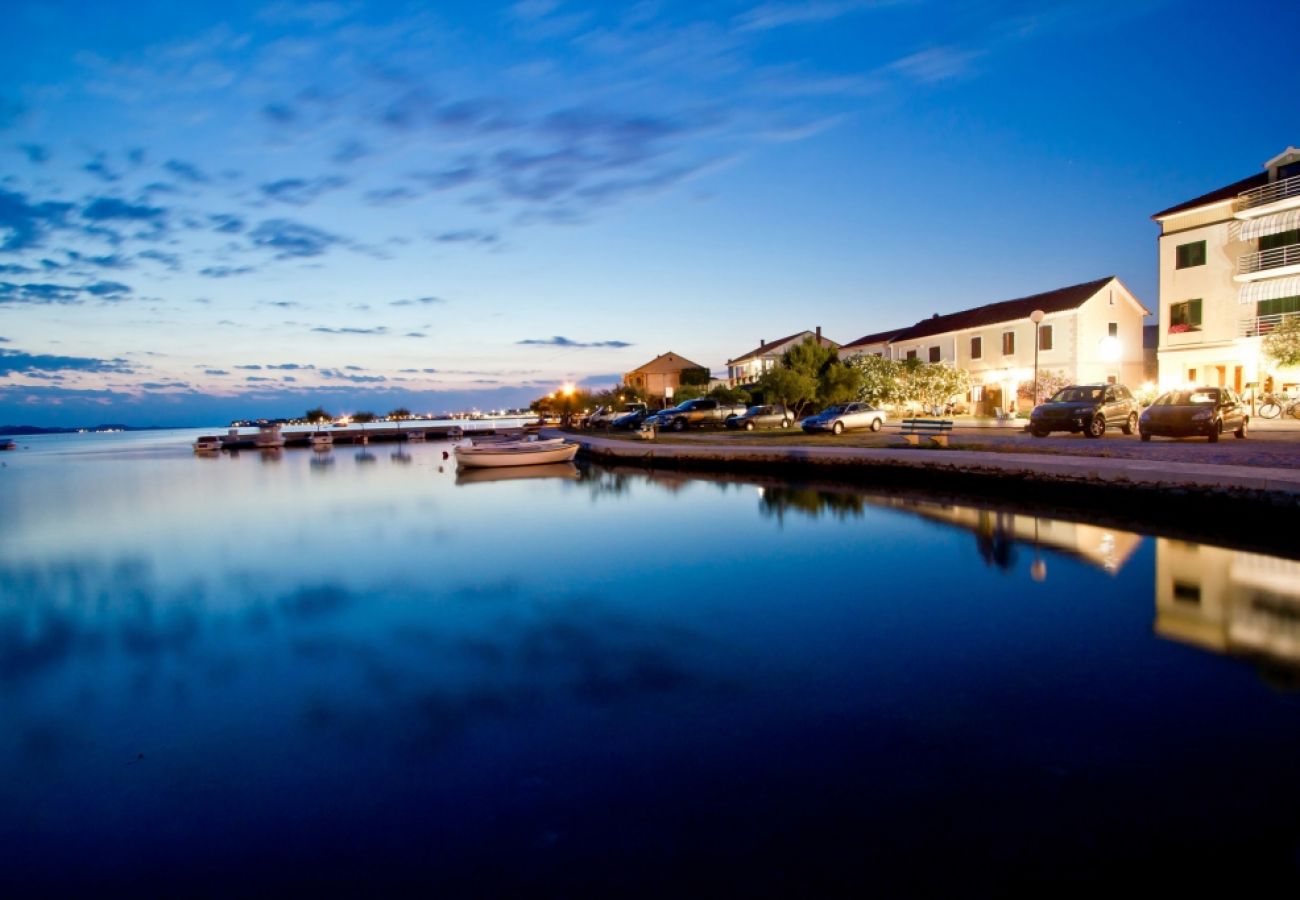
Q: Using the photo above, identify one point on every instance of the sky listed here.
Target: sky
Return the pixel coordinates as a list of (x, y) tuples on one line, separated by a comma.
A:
[(212, 211)]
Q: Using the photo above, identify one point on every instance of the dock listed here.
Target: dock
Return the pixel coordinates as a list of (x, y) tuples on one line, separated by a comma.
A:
[(275, 436)]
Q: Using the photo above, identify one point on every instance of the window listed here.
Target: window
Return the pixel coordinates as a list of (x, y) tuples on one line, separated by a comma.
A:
[(1008, 343), (1284, 239), (1044, 337), (911, 354), (976, 348), (934, 354), (1185, 592), (1185, 316), (1190, 255), (1278, 307), (1112, 329)]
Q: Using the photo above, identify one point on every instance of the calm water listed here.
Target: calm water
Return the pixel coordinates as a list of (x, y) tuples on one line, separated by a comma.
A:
[(263, 673)]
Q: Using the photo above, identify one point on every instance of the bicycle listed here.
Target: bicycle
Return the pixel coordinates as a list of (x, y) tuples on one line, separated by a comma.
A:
[(1274, 405)]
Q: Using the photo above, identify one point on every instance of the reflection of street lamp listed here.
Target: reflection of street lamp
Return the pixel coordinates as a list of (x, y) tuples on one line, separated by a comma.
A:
[(1037, 318), (1038, 568)]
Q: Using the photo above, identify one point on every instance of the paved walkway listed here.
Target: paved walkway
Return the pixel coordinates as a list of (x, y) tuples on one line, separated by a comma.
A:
[(1111, 469)]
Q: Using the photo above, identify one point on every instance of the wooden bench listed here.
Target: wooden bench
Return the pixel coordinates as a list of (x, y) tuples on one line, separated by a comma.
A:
[(934, 429)]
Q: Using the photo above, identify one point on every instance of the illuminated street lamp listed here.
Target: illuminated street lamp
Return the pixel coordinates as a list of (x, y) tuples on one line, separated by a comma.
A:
[(1037, 318)]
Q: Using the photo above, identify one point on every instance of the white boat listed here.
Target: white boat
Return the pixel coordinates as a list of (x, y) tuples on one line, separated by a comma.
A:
[(414, 437), (207, 443), (516, 453), (321, 440), (564, 471)]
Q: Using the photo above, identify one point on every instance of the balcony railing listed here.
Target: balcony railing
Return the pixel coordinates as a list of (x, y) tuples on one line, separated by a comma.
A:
[(1259, 326), (1269, 259), (1269, 193)]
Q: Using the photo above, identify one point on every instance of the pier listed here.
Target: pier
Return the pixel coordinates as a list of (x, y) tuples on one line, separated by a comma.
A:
[(275, 436)]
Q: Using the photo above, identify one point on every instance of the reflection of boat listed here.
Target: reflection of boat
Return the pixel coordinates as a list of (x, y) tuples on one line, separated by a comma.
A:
[(321, 440), (415, 437), (322, 461), (207, 443), (515, 453), (564, 470), (365, 456)]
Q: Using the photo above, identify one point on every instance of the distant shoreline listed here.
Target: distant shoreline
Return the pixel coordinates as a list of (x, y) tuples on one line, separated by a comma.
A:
[(28, 430)]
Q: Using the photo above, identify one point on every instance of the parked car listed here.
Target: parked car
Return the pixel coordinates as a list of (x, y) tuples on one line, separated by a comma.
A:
[(1208, 411), (605, 415), (845, 417), (1087, 408), (772, 415), (691, 413), (633, 419)]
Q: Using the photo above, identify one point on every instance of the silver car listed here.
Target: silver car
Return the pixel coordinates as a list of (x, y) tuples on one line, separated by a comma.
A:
[(845, 417)]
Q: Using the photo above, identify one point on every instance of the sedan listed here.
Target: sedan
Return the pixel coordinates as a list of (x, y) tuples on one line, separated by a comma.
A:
[(773, 415), (1202, 411), (845, 417)]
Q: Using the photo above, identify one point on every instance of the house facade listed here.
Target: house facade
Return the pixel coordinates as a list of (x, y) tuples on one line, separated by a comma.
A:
[(662, 376), (749, 367), (1089, 333), (1229, 273)]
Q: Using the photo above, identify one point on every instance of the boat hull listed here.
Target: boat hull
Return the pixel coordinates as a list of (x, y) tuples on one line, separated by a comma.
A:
[(538, 453)]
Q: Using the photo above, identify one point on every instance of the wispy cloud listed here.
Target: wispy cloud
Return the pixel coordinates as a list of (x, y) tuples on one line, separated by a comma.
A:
[(559, 341), (301, 191), (379, 329), (292, 240), (16, 362), (419, 301)]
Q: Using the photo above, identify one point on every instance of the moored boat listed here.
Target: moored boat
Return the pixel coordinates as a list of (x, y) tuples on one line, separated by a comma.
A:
[(515, 453), (321, 440), (9, 444), (206, 443)]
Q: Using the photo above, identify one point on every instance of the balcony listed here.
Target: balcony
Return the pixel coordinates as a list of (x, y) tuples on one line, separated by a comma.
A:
[(1258, 326), (1268, 263), (1253, 202)]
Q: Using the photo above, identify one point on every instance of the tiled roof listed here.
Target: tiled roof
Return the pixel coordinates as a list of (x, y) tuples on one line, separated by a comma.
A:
[(1223, 193), (767, 347), (1058, 300), (684, 363), (880, 337)]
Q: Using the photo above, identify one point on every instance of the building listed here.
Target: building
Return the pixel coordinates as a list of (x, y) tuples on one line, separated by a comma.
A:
[(1229, 273), (872, 344), (1089, 333), (749, 367), (662, 376)]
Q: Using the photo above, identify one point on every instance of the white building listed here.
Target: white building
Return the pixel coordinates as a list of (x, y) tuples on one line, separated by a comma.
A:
[(1089, 333), (749, 367), (1229, 273)]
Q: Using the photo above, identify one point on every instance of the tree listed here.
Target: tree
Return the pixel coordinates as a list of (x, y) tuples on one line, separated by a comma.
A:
[(877, 379), (694, 377), (930, 384), (363, 417), (1282, 345), (1049, 382), (785, 385), (809, 373), (400, 413), (724, 394), (319, 414)]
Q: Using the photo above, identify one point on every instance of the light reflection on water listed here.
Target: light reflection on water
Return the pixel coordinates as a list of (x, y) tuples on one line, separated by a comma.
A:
[(374, 670)]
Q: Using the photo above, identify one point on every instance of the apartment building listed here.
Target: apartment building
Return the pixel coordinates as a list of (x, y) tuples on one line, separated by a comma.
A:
[(749, 367), (1088, 333), (1229, 273)]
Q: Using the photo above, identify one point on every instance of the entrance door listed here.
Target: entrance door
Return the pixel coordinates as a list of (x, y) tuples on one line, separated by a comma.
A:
[(1222, 373), (1236, 379)]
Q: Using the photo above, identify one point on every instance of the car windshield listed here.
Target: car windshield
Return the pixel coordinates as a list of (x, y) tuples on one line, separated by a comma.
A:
[(1187, 398), (1077, 395), (756, 410), (834, 410)]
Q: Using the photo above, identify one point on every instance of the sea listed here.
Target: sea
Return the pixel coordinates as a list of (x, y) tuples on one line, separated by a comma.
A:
[(360, 672)]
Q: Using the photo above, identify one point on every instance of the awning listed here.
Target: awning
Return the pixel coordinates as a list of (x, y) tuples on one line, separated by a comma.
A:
[(1272, 289), (1277, 223)]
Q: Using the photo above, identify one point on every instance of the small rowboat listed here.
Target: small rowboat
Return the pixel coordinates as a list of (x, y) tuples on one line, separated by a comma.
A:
[(321, 440), (516, 453)]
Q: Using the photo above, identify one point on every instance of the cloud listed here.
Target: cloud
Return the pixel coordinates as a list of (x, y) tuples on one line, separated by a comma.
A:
[(349, 152), (251, 368), (291, 367), (767, 16), (215, 372), (46, 294), (559, 341), (113, 209), (419, 301), (226, 271), (390, 196), (226, 224), (935, 64), (336, 375), (416, 334), (15, 269), (257, 378), (25, 224), (36, 153), (292, 240), (108, 289), (186, 171), (168, 260), (467, 236), (301, 191), (318, 14), (16, 362), (279, 113), (99, 168), (380, 329)]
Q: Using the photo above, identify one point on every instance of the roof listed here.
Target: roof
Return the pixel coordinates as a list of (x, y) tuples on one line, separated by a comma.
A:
[(768, 347), (671, 358), (880, 337), (1223, 193), (1059, 300)]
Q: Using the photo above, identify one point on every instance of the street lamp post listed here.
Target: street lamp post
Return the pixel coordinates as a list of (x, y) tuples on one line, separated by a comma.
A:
[(1037, 318)]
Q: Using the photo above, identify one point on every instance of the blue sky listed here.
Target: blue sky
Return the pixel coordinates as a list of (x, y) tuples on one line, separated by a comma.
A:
[(218, 210)]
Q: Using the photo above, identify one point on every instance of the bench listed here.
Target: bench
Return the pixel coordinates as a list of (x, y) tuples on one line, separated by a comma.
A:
[(934, 429)]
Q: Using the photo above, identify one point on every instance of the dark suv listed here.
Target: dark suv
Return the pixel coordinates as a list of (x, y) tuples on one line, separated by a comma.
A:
[(1090, 408)]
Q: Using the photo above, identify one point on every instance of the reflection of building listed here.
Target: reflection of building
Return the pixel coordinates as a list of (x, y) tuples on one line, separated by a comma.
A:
[(1105, 548), (1228, 601), (1229, 273)]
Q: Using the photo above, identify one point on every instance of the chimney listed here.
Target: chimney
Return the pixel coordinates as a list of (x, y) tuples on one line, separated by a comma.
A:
[(819, 334), (761, 343)]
